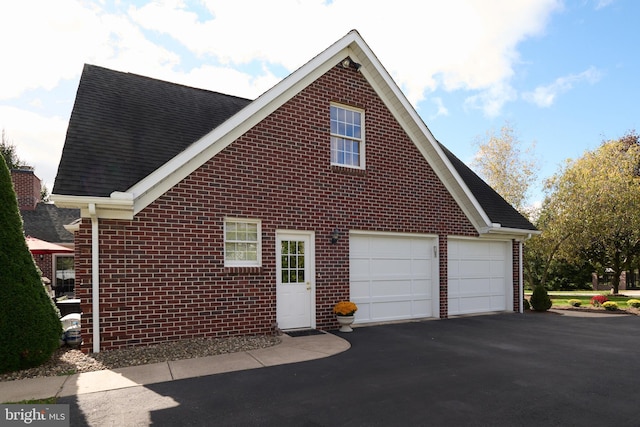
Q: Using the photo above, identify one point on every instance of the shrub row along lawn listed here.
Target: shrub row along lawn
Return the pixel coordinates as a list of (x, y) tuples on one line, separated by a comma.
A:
[(563, 300)]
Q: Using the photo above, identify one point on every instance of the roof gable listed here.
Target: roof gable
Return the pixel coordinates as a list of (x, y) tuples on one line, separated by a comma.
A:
[(188, 142)]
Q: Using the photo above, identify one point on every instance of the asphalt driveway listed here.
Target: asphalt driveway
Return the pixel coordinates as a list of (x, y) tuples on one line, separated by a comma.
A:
[(497, 370)]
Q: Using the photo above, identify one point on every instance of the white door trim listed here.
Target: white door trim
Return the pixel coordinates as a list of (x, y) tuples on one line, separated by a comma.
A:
[(310, 259)]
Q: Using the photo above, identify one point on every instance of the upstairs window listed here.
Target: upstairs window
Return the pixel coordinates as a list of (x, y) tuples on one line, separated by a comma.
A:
[(242, 243), (347, 142)]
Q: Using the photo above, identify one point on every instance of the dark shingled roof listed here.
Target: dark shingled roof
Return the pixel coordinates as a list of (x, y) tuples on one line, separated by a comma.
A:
[(497, 208), (124, 126), (46, 222)]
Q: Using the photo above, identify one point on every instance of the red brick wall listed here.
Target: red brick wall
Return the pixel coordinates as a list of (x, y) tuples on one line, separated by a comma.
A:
[(27, 187), (45, 263), (163, 275), (515, 250)]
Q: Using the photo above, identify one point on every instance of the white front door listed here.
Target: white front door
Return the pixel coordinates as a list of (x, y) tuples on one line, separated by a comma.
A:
[(295, 280)]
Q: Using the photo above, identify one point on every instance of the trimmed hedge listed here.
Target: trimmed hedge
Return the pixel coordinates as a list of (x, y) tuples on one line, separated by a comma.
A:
[(29, 326)]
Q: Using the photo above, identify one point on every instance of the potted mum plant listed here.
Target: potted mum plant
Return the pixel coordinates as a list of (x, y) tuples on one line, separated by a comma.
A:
[(345, 314)]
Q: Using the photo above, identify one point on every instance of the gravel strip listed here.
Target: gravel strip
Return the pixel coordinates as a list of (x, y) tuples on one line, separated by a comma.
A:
[(67, 361)]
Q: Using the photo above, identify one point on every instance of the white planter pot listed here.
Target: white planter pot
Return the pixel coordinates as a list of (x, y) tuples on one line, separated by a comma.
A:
[(345, 323)]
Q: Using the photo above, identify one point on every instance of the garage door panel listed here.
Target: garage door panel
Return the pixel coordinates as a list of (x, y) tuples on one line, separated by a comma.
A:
[(472, 268), (389, 288), (359, 290), (391, 277), (478, 278), (471, 286), (390, 267), (421, 288), (398, 310)]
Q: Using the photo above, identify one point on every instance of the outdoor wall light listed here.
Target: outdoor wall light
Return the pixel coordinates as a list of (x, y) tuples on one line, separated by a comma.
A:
[(349, 63), (335, 236)]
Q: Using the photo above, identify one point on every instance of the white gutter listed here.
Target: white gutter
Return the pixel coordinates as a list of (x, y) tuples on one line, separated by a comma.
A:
[(95, 278), (497, 229)]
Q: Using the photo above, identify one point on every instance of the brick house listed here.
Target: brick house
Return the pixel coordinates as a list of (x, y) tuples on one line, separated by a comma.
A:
[(46, 222), (210, 215)]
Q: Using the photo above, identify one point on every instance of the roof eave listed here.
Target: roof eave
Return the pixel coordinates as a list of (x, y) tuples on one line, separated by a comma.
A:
[(496, 230), (117, 206)]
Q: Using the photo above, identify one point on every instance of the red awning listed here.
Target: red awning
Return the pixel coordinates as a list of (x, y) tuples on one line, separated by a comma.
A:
[(37, 246)]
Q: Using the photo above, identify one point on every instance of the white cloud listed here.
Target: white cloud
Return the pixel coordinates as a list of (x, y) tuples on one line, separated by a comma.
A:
[(492, 100), (225, 80), (601, 4), (545, 96), (441, 109), (466, 45), (39, 146)]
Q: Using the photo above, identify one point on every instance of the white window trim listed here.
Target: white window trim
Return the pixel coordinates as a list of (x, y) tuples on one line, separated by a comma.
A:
[(245, 263), (361, 140)]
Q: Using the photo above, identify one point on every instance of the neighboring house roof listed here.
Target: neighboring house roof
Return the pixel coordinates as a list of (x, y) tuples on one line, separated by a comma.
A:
[(47, 221), (144, 135)]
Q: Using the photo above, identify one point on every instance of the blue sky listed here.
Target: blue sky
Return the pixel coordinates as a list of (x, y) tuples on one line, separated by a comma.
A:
[(563, 74)]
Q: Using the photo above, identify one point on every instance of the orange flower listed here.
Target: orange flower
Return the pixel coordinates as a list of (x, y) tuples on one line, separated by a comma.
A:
[(345, 308)]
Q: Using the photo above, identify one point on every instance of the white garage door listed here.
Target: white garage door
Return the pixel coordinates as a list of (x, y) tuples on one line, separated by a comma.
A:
[(393, 277), (479, 276)]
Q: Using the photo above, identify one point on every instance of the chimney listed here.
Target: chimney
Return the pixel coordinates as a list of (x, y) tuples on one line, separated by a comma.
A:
[(27, 187)]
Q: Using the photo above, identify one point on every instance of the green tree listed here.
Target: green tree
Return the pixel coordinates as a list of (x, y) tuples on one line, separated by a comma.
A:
[(29, 326), (10, 154), (506, 166), (593, 207), (8, 151)]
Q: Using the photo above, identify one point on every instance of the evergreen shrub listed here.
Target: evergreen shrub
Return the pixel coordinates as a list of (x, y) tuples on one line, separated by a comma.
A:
[(29, 327), (540, 300)]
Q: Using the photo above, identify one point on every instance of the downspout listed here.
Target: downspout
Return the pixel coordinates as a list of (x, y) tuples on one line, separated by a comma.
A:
[(95, 278)]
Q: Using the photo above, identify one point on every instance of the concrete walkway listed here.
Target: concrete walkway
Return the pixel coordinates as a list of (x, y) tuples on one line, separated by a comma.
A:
[(290, 350)]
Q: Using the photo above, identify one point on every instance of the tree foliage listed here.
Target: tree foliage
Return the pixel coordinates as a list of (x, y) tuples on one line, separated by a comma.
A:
[(29, 326), (592, 209), (8, 151), (506, 165)]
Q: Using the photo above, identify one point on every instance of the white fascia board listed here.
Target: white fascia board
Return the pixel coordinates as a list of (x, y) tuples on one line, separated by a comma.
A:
[(161, 180), (118, 206)]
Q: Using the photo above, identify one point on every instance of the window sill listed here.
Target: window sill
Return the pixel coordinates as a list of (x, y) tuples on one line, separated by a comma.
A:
[(243, 270), (348, 171)]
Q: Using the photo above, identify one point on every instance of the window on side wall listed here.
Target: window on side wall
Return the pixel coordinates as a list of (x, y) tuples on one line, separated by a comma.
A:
[(347, 137), (242, 243)]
